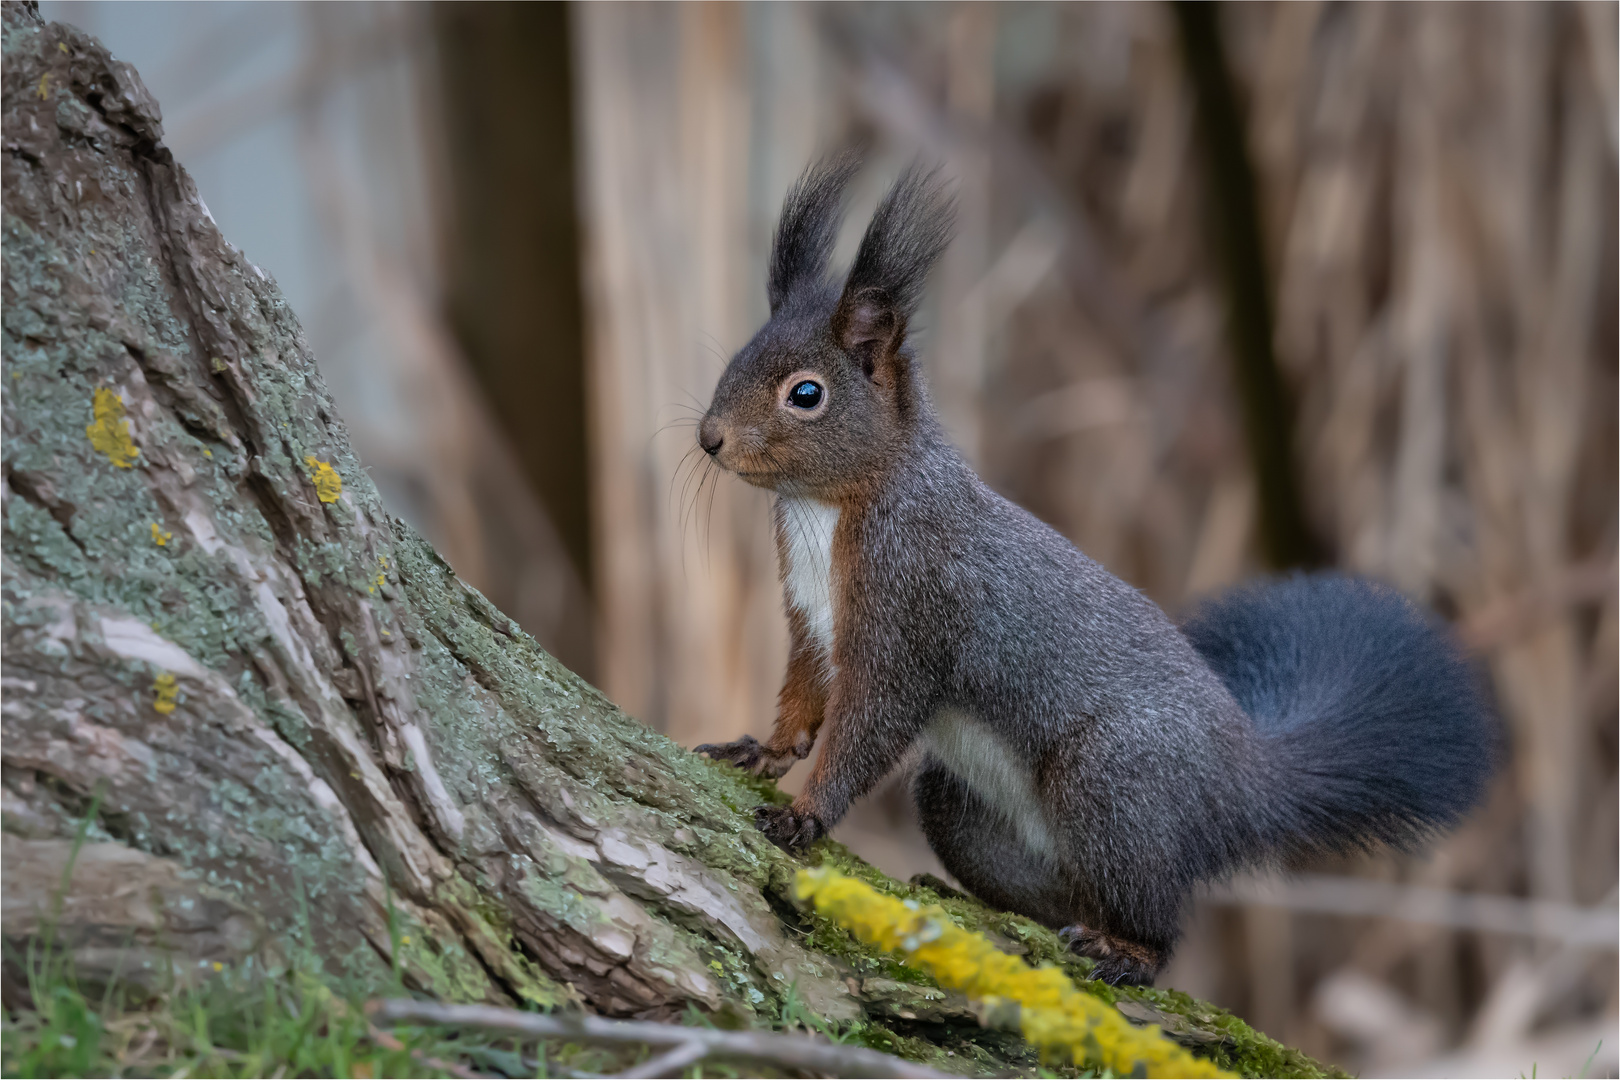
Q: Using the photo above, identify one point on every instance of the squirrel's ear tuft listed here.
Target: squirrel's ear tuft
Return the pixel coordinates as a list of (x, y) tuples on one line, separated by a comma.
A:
[(808, 228), (908, 232)]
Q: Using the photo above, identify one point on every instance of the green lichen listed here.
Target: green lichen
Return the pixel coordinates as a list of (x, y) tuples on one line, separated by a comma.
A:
[(438, 963)]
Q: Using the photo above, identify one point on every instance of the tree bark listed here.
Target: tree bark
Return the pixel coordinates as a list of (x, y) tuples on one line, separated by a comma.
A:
[(301, 734)]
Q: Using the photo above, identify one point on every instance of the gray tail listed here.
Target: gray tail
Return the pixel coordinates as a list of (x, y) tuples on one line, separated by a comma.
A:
[(1376, 727)]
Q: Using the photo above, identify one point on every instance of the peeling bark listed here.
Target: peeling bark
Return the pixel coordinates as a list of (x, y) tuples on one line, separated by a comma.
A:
[(297, 718)]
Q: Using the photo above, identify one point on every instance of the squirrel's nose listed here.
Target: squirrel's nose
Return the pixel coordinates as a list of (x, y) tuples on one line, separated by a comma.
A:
[(709, 436)]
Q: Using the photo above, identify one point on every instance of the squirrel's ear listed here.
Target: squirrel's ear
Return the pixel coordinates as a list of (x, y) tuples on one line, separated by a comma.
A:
[(808, 227), (908, 232), (869, 328)]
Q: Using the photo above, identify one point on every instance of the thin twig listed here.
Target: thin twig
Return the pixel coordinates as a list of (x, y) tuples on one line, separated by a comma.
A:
[(1579, 927), (388, 1042), (797, 1052), (670, 1062)]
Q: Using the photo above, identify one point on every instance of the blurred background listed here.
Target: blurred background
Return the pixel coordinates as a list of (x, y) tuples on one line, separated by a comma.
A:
[(1235, 289)]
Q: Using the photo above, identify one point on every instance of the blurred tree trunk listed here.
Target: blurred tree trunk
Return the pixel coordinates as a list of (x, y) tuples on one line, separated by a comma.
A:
[(1233, 217), (513, 249), (514, 288)]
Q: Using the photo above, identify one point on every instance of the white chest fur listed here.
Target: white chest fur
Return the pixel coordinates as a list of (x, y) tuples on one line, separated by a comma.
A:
[(807, 527), (967, 747)]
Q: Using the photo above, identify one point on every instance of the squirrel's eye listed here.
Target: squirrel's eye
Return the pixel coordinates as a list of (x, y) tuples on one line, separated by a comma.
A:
[(805, 395)]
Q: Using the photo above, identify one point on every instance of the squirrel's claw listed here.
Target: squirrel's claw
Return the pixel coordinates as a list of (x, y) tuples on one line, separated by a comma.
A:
[(787, 828), (751, 754), (1118, 962), (742, 751)]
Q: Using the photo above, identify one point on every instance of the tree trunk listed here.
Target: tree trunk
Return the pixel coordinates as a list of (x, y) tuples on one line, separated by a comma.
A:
[(300, 732)]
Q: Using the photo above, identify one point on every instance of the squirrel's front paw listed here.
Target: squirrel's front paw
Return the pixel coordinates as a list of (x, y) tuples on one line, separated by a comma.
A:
[(787, 828), (751, 754)]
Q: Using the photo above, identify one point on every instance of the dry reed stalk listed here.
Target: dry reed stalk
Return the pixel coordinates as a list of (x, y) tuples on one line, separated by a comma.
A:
[(689, 636)]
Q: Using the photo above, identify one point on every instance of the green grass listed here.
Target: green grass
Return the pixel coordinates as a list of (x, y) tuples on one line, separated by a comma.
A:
[(231, 1025), (292, 1026)]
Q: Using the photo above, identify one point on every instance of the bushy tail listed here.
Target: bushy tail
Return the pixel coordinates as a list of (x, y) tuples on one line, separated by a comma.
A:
[(1375, 725)]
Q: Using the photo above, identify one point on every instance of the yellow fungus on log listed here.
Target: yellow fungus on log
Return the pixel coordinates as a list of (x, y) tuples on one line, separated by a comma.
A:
[(328, 484), (110, 433), (167, 688), (44, 86)]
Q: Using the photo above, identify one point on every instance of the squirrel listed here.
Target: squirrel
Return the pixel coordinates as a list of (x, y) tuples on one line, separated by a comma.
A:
[(1084, 761)]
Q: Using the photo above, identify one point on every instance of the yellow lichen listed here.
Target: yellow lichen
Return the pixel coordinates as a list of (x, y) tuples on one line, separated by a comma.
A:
[(1054, 1015), (44, 86), (159, 536), (328, 484), (167, 688), (110, 432)]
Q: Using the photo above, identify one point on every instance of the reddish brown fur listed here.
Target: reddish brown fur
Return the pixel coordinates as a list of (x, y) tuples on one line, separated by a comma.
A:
[(847, 592), (802, 702)]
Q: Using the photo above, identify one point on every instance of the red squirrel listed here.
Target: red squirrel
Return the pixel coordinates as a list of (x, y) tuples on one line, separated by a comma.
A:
[(1085, 761)]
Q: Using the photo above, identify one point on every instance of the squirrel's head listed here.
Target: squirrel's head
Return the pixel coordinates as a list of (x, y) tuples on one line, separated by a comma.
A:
[(825, 395)]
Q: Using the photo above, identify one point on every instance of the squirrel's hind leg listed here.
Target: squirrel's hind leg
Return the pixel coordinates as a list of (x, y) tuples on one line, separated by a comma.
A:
[(984, 851), (1131, 886)]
